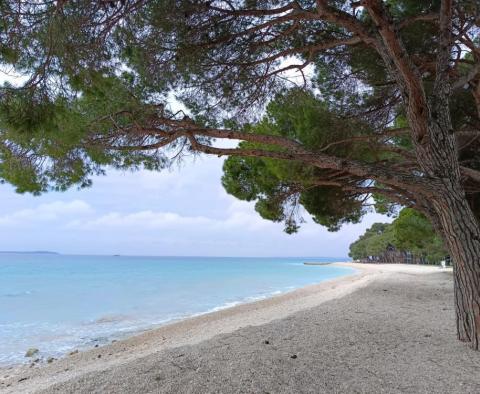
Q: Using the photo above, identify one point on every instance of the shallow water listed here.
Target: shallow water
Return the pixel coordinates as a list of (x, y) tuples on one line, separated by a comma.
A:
[(58, 302)]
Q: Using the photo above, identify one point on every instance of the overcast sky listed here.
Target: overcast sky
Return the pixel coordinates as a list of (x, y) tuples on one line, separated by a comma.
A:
[(181, 212)]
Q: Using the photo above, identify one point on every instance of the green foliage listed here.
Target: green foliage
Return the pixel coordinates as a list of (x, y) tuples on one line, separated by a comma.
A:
[(331, 207), (410, 231), (302, 116), (44, 142), (373, 242), (280, 188), (413, 232)]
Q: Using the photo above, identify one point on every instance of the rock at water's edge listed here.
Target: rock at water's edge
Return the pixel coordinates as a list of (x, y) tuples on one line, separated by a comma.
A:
[(31, 352)]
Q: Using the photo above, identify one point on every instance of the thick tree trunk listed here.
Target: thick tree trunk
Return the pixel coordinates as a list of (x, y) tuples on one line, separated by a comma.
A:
[(462, 235), (461, 306), (463, 326), (461, 317), (448, 203)]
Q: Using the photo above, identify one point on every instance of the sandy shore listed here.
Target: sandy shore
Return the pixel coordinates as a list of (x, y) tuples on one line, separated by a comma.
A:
[(388, 328)]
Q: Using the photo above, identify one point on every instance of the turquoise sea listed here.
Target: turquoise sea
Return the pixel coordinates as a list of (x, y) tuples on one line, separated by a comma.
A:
[(58, 303)]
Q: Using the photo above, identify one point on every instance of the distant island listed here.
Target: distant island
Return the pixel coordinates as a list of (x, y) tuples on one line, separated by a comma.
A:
[(27, 252)]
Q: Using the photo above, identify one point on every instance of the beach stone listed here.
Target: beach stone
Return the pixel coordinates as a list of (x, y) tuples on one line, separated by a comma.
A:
[(31, 352), (50, 360)]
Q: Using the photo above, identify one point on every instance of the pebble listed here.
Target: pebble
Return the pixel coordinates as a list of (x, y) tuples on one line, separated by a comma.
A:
[(31, 352)]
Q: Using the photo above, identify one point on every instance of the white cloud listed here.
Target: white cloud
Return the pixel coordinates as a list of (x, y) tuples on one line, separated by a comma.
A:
[(141, 219), (240, 216), (47, 212)]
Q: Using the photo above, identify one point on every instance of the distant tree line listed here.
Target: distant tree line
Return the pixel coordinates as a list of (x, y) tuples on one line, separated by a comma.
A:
[(410, 233)]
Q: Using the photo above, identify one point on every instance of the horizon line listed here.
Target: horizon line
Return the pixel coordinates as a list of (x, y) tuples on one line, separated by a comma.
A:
[(133, 255)]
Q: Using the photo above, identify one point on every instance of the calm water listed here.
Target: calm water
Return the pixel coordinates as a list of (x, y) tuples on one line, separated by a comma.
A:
[(58, 303)]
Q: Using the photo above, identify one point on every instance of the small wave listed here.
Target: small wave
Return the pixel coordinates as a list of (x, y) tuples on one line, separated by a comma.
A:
[(224, 306), (114, 318), (245, 300)]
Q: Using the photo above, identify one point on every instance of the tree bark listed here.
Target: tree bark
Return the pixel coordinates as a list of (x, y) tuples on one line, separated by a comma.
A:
[(462, 233), (460, 227), (461, 304)]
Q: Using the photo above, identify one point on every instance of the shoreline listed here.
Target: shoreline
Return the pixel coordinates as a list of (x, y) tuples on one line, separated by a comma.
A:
[(106, 339), (194, 330), (169, 293)]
